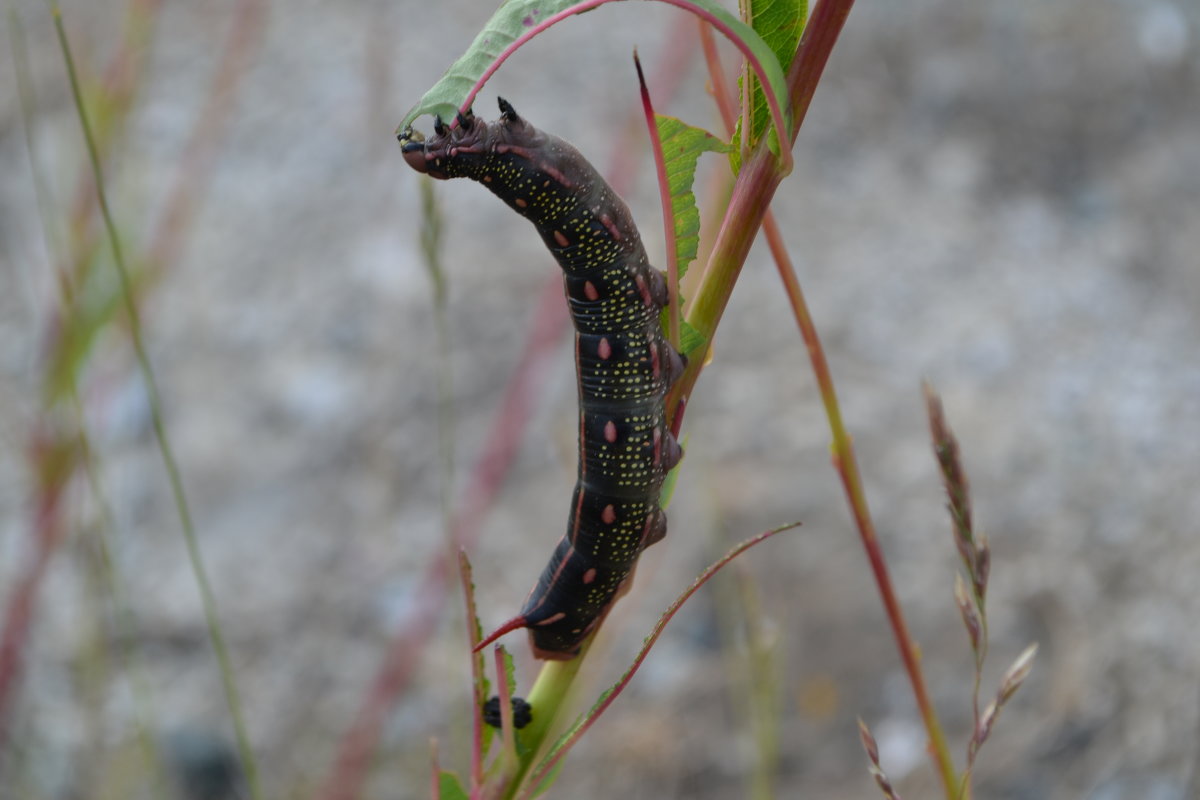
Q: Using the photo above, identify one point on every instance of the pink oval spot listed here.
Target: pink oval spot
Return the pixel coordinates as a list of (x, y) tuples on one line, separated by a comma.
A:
[(613, 229), (520, 201), (551, 619), (604, 350), (610, 431), (589, 291), (644, 291), (589, 576), (609, 515), (562, 240)]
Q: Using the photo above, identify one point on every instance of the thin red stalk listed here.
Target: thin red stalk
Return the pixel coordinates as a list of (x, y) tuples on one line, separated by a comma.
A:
[(664, 191), (611, 695), (816, 35), (816, 43)]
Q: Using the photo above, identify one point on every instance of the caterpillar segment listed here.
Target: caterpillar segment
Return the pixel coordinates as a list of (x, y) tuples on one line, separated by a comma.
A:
[(624, 364)]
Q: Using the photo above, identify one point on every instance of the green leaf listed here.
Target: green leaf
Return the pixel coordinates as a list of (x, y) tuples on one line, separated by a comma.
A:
[(682, 145), (449, 787), (780, 24), (518, 20)]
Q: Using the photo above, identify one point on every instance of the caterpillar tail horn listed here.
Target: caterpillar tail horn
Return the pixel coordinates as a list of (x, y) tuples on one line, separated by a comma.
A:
[(508, 627)]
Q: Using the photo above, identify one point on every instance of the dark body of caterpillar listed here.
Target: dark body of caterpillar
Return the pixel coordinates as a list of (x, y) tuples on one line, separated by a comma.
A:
[(624, 364)]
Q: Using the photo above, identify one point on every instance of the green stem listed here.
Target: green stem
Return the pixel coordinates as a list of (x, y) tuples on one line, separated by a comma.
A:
[(155, 402)]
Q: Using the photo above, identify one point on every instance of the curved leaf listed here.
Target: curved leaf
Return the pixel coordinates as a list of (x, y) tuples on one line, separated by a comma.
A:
[(518, 21)]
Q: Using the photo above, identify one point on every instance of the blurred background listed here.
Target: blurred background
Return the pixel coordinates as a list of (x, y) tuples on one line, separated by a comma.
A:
[(1000, 198)]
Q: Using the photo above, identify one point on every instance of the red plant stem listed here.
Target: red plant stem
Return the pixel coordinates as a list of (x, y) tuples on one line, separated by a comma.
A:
[(660, 165), (846, 466), (845, 461)]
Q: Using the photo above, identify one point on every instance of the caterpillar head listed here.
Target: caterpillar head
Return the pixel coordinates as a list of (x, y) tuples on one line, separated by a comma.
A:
[(448, 153)]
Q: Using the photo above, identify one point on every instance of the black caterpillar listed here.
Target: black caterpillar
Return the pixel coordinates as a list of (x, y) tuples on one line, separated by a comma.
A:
[(624, 364)]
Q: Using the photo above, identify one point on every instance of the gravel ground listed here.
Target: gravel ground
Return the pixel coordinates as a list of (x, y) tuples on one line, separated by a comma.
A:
[(1001, 199)]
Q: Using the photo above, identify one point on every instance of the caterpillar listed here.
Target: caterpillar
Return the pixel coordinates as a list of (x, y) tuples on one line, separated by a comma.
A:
[(624, 364)]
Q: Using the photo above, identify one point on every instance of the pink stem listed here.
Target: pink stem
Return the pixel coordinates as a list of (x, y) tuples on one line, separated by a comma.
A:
[(664, 191)]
